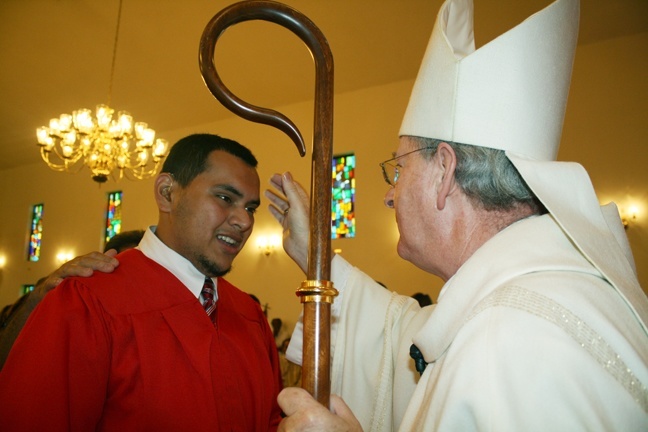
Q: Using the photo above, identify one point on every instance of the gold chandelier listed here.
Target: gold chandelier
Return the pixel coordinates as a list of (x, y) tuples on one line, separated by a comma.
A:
[(103, 143)]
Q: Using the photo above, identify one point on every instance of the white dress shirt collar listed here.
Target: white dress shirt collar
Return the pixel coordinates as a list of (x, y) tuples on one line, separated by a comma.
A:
[(152, 247)]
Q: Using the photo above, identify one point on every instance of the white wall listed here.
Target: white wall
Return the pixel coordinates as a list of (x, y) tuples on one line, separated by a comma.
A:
[(605, 130)]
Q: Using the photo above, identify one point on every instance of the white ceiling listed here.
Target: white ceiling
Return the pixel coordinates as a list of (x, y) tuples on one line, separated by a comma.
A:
[(57, 54)]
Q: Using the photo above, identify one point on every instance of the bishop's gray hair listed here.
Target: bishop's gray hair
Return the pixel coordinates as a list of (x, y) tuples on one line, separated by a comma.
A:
[(486, 176)]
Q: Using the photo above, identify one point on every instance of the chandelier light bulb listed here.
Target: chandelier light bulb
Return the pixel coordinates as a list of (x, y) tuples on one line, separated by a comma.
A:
[(65, 122), (140, 127), (42, 134), (161, 147), (69, 138), (54, 126), (49, 144), (125, 122), (82, 120), (104, 116), (148, 138), (67, 151)]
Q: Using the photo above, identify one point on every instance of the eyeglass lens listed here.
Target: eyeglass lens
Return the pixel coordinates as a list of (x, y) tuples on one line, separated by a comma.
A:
[(390, 173)]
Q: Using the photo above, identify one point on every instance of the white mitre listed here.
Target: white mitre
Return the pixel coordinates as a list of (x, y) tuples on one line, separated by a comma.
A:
[(511, 95)]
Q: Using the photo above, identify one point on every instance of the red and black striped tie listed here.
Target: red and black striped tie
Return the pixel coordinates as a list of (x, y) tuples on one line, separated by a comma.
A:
[(208, 296)]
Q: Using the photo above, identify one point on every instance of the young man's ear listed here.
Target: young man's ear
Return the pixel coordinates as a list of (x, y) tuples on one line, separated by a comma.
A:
[(164, 191), (448, 164)]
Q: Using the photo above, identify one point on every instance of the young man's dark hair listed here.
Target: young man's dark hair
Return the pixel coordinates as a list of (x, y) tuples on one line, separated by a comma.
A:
[(186, 159)]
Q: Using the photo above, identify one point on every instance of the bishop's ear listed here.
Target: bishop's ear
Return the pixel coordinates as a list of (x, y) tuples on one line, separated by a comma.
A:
[(448, 163)]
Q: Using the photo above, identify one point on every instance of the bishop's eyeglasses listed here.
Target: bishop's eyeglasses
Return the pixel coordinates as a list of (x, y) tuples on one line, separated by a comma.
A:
[(391, 170)]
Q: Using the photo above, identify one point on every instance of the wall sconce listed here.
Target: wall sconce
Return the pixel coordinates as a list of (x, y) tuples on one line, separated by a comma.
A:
[(3, 261), (629, 216), (268, 243), (63, 257)]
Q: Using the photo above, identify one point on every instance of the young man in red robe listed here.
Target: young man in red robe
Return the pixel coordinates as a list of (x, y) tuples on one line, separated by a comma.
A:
[(163, 342)]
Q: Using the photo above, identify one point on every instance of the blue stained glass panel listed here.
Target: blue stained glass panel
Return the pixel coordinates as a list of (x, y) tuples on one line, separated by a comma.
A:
[(36, 234), (343, 222), (113, 214)]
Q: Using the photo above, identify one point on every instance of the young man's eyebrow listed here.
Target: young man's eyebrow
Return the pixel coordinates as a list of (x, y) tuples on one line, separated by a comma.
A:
[(231, 189)]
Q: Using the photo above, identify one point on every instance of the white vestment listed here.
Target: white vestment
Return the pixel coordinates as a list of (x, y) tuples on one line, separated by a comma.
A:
[(526, 336)]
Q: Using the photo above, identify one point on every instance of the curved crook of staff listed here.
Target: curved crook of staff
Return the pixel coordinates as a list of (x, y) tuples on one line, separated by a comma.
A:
[(316, 293)]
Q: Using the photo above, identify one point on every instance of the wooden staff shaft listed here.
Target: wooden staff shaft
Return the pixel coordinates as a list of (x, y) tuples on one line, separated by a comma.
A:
[(317, 292)]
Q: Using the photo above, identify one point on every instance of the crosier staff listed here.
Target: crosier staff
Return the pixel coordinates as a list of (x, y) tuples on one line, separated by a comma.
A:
[(317, 292)]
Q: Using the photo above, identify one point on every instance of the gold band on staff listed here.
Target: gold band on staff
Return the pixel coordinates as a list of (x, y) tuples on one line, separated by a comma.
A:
[(316, 291)]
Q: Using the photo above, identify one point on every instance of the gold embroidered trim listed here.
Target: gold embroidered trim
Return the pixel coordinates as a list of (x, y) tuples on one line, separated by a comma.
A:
[(585, 336)]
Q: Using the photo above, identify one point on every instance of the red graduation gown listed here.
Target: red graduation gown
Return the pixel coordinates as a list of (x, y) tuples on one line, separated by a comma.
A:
[(134, 350)]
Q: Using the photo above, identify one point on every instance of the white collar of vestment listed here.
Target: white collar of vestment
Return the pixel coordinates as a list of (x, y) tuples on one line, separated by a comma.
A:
[(531, 245)]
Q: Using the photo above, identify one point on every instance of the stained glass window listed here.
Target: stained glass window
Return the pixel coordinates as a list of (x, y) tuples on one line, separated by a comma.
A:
[(343, 197), (26, 288), (113, 214), (36, 233)]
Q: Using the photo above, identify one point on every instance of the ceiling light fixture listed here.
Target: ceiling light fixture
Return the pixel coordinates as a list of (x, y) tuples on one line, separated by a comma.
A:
[(102, 143)]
